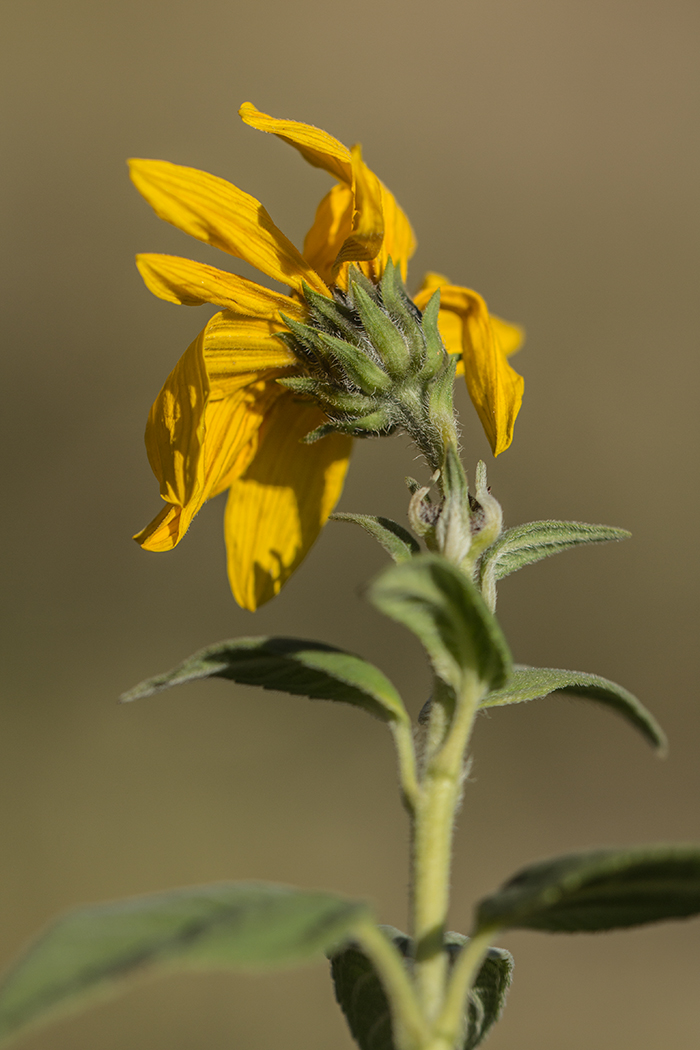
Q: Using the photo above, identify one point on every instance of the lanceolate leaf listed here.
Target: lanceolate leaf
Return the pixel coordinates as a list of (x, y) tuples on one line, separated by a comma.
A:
[(538, 539), (289, 665), (249, 926), (396, 541), (445, 610), (362, 998), (532, 683), (601, 890)]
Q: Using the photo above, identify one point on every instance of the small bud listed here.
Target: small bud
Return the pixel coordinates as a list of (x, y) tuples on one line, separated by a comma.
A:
[(453, 529), (487, 515)]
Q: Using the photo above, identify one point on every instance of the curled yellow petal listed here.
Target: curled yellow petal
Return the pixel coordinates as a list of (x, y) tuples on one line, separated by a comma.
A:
[(230, 433), (277, 508), (214, 211), (190, 283), (316, 146), (201, 421), (365, 239), (175, 427)]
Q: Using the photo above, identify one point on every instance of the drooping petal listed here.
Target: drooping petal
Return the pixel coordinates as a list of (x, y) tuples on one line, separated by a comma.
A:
[(277, 508), (331, 227), (316, 146), (214, 211), (496, 390), (190, 283)]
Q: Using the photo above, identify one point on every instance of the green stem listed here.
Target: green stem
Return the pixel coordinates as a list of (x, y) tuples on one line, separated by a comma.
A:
[(441, 789), (409, 1028)]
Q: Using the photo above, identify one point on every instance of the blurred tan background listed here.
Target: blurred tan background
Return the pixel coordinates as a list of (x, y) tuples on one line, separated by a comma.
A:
[(545, 151)]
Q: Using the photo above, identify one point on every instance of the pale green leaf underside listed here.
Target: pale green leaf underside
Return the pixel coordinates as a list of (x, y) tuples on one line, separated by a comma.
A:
[(533, 683), (396, 541), (288, 665), (432, 598), (246, 926), (362, 999), (536, 540), (600, 890)]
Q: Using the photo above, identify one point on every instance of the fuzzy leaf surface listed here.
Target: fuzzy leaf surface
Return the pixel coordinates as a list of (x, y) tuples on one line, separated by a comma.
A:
[(432, 598), (396, 541), (288, 665), (91, 952), (536, 540), (604, 889), (362, 999), (533, 683)]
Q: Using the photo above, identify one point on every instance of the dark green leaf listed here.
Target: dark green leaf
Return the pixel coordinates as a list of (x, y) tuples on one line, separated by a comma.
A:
[(362, 998), (532, 683), (248, 926), (538, 539), (601, 890), (361, 995), (396, 541), (445, 610), (289, 665)]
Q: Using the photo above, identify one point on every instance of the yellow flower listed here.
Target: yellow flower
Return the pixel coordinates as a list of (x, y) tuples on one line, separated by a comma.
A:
[(222, 420)]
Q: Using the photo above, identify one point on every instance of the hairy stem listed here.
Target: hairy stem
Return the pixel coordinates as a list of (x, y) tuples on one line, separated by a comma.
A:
[(440, 793)]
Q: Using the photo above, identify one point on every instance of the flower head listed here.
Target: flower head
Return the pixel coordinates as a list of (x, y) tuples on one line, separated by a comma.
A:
[(265, 373)]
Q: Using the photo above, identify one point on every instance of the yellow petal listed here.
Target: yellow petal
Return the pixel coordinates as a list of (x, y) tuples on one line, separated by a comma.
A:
[(220, 214), (331, 227), (365, 239), (277, 508), (230, 433), (496, 390), (190, 283), (236, 346), (175, 427), (316, 146), (209, 410)]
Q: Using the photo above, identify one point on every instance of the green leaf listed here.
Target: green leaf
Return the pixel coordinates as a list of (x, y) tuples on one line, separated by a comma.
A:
[(248, 926), (601, 890), (362, 999), (532, 683), (539, 539), (445, 610), (289, 665), (396, 541)]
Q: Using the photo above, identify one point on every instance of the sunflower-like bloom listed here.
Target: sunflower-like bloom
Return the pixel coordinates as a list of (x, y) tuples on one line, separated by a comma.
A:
[(223, 420)]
